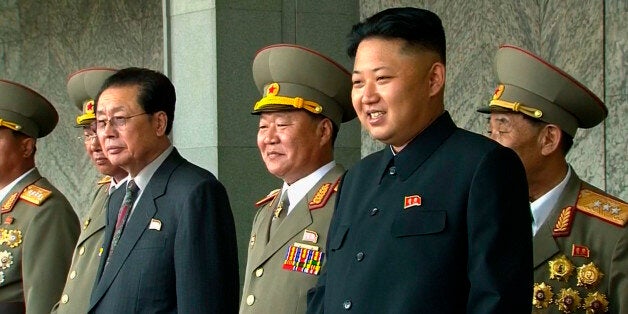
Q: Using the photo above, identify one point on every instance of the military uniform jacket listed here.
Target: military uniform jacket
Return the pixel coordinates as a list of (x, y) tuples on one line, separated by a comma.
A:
[(442, 227), (37, 243), (86, 258), (268, 286), (177, 253), (582, 240)]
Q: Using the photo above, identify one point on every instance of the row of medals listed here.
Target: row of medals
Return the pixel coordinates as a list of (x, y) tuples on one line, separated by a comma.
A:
[(12, 239), (569, 300)]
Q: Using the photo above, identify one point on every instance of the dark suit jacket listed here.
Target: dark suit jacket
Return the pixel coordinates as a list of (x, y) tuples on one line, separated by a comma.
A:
[(178, 249), (443, 227)]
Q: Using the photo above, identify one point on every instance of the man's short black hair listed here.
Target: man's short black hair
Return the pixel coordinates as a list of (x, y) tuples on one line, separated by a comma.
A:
[(156, 92), (420, 28)]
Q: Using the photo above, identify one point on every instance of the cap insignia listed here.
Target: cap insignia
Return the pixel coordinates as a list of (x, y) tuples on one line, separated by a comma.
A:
[(34, 194), (272, 89), (498, 92), (562, 228), (88, 107), (542, 295), (603, 207)]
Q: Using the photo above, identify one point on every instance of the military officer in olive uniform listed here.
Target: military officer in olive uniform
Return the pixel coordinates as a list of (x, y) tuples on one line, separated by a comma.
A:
[(580, 236), (305, 98), (38, 227), (83, 86)]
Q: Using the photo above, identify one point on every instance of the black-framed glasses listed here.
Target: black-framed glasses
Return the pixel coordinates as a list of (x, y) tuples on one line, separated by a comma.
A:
[(116, 122)]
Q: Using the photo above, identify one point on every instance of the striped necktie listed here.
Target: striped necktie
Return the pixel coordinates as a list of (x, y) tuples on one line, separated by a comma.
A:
[(123, 215)]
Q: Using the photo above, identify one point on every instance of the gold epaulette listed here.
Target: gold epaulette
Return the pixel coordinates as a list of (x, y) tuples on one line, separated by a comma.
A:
[(603, 207), (271, 196), (35, 194), (104, 180), (323, 194)]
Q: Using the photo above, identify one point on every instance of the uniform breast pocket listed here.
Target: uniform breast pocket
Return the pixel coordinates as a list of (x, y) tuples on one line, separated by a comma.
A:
[(417, 222), (335, 242)]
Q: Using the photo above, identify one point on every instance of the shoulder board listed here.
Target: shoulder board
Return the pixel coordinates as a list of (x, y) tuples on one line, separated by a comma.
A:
[(323, 194), (603, 207), (562, 228), (104, 180), (35, 194), (8, 205), (271, 196)]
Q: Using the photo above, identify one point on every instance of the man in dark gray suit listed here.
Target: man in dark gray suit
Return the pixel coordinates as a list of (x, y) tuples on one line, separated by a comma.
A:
[(170, 241)]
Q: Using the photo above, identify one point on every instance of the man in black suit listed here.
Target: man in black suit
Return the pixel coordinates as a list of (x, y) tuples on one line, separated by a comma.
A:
[(439, 220), (170, 241)]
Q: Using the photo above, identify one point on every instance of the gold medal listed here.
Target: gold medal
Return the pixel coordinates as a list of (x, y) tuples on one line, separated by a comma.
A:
[(589, 275), (568, 300), (560, 268), (595, 303), (6, 259), (12, 238), (542, 296)]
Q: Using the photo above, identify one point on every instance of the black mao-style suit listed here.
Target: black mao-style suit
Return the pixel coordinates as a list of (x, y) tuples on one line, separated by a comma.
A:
[(464, 247), (177, 252)]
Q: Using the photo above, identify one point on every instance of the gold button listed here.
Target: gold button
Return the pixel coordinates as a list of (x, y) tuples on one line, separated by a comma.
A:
[(73, 274), (81, 250), (259, 272), (65, 299), (250, 299)]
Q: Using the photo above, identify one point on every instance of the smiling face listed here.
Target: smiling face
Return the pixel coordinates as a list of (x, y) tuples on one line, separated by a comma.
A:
[(397, 90), (140, 140), (294, 144)]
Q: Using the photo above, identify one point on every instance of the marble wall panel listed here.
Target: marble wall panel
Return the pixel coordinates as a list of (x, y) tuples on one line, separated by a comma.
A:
[(616, 98), (44, 41)]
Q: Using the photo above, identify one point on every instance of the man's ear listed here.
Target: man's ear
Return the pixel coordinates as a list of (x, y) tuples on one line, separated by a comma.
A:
[(161, 121), (326, 129), (27, 146), (437, 78), (550, 137)]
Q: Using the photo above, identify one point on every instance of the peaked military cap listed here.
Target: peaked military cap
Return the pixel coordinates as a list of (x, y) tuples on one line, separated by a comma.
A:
[(83, 86), (292, 77), (23, 109), (536, 88)]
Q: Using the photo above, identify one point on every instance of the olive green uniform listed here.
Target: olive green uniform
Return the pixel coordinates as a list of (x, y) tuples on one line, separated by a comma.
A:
[(80, 279), (581, 253), (36, 244), (268, 286)]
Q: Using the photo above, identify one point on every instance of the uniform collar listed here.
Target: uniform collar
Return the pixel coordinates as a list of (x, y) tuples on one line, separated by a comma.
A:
[(411, 157)]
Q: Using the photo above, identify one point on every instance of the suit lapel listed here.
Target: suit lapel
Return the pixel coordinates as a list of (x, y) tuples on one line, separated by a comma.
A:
[(544, 244), (296, 221), (138, 222)]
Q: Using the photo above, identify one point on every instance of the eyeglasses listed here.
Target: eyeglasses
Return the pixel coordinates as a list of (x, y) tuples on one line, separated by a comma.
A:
[(115, 122), (87, 138)]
